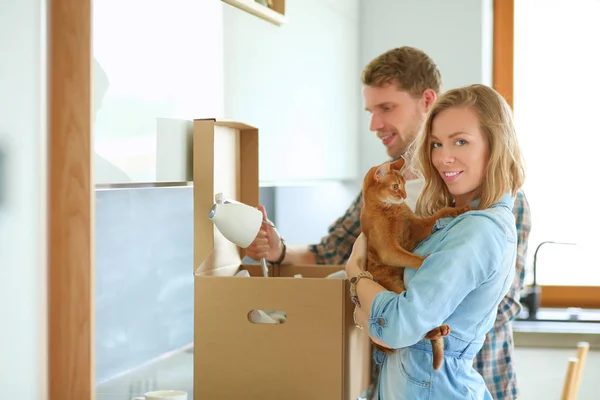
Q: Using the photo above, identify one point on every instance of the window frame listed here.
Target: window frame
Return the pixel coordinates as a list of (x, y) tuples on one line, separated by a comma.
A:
[(552, 296)]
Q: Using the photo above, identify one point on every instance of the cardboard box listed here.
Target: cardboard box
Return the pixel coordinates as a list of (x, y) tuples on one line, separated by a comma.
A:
[(317, 353)]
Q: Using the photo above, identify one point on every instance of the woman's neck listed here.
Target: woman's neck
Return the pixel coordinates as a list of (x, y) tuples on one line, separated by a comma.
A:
[(465, 199)]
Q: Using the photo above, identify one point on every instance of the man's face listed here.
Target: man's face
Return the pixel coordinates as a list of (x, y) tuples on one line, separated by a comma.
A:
[(396, 115)]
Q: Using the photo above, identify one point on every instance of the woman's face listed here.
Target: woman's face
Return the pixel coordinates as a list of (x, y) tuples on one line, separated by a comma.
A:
[(459, 152)]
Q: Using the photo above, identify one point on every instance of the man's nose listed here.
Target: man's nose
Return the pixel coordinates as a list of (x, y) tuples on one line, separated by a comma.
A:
[(376, 123)]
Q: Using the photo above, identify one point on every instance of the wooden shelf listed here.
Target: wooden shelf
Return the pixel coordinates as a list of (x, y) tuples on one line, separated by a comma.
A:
[(275, 15)]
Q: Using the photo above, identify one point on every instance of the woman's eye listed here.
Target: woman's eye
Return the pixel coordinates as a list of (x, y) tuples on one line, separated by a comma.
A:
[(395, 186), (461, 142), (435, 144)]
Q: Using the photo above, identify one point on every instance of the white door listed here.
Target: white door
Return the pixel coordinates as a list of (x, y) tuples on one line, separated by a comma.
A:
[(23, 333)]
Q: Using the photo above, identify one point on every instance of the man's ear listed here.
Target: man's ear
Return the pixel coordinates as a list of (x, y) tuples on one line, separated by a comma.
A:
[(428, 98)]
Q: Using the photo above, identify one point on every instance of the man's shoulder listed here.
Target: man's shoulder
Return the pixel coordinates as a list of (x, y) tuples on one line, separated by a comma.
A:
[(521, 205)]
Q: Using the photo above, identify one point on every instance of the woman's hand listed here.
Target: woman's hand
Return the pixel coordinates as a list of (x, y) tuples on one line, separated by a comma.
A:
[(358, 258)]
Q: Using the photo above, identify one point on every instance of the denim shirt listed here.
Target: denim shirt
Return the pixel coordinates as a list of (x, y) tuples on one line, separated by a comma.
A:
[(470, 268)]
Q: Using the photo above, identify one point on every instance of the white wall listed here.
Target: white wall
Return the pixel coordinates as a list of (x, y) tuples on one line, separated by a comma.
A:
[(299, 84), (541, 373), (23, 332), (457, 35), (152, 59)]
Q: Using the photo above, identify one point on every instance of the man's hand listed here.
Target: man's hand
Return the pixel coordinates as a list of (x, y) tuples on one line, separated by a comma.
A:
[(267, 243), (358, 258)]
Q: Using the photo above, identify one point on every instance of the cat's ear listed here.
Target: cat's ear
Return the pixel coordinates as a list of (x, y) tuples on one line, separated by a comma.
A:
[(398, 164), (382, 171)]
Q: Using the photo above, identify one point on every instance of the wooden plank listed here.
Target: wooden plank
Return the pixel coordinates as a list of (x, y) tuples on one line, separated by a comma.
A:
[(275, 16), (70, 224), (503, 53), (570, 296)]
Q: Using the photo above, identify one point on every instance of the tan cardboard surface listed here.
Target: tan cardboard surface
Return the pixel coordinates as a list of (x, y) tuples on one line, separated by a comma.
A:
[(225, 160), (310, 355), (317, 353)]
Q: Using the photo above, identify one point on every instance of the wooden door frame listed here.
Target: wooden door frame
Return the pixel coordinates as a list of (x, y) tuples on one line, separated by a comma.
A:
[(503, 49), (70, 202)]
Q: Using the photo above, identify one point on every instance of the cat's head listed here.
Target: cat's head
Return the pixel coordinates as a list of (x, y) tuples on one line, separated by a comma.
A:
[(385, 183)]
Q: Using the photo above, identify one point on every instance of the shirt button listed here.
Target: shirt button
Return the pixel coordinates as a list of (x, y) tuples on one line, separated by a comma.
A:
[(381, 321)]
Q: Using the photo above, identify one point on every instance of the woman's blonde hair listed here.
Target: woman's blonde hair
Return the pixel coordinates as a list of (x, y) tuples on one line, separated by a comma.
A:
[(505, 170)]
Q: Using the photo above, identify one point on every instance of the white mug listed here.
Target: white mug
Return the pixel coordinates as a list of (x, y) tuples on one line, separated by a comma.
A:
[(164, 395)]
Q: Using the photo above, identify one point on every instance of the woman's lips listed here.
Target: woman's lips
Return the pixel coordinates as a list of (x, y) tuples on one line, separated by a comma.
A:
[(451, 175)]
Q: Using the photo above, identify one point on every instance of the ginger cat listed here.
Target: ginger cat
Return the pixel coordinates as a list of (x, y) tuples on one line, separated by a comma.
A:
[(393, 231)]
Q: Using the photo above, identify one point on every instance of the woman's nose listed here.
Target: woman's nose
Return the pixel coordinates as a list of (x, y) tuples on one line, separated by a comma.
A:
[(447, 157)]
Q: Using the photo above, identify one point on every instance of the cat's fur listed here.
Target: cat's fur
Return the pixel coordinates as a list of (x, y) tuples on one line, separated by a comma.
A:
[(393, 231)]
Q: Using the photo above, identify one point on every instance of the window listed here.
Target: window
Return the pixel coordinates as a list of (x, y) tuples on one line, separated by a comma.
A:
[(556, 106)]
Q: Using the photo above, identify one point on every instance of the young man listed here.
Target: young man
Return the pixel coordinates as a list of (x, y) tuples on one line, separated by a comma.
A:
[(399, 88)]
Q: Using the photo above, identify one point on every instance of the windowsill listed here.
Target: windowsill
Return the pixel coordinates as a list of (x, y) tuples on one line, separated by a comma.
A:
[(555, 334)]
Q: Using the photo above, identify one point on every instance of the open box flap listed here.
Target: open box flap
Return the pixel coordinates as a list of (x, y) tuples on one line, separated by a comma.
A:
[(225, 161), (228, 123)]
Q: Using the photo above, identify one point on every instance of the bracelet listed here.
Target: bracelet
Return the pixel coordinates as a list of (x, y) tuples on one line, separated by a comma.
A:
[(354, 316), (353, 281), (282, 256)]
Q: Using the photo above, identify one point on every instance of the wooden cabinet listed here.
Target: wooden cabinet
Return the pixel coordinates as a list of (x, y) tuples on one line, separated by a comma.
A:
[(269, 10)]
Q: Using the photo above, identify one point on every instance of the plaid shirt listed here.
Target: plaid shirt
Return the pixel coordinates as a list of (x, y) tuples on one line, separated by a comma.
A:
[(494, 361)]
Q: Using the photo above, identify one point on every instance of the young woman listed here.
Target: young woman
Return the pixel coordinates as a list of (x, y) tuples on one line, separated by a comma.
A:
[(467, 153)]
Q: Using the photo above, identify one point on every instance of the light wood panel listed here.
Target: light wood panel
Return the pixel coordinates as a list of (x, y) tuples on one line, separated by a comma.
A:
[(570, 296), (275, 15), (70, 225), (503, 53)]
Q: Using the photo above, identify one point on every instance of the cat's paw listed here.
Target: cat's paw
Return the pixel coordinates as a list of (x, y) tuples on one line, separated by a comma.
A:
[(459, 211), (444, 330), (465, 209), (438, 333)]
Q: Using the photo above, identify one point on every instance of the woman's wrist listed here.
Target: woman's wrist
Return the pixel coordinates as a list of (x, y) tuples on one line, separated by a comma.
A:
[(353, 267)]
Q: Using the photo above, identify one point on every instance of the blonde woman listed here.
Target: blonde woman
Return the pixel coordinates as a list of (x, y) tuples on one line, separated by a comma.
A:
[(467, 153)]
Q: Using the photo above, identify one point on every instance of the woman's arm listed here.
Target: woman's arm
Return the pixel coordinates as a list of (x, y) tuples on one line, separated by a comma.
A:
[(366, 288), (468, 255)]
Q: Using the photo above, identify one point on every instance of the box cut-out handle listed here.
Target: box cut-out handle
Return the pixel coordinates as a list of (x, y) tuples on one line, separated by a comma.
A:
[(273, 317)]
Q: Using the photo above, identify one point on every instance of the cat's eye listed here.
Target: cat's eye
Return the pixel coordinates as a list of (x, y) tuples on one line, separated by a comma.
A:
[(395, 186)]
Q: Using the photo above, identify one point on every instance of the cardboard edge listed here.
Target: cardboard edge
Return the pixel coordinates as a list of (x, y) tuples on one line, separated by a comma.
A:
[(229, 123)]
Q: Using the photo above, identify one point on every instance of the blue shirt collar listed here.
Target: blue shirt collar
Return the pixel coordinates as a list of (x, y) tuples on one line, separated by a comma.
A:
[(505, 201)]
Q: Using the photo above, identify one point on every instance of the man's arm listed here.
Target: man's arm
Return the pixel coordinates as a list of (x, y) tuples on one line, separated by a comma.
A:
[(336, 246), (296, 254)]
